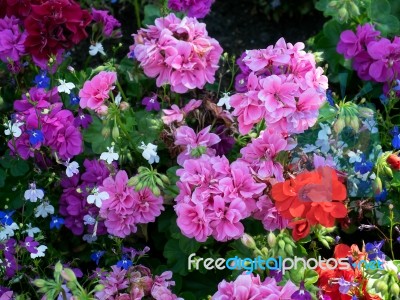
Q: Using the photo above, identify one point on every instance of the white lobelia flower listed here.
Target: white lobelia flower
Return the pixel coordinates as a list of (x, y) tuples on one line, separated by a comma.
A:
[(118, 99), (31, 231), (8, 231), (44, 209), (354, 157), (89, 238), (96, 48), (225, 101), (97, 197), (13, 128), (150, 152), (370, 124), (40, 251), (109, 156), (65, 87), (72, 168), (89, 220), (33, 194)]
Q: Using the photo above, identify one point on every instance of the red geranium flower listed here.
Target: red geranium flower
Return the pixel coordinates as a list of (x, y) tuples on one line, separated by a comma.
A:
[(317, 196), (55, 25), (301, 229), (394, 161)]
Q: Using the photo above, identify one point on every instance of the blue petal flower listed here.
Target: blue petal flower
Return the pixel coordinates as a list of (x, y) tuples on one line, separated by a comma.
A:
[(74, 99), (364, 166), (5, 217), (124, 263), (95, 256), (374, 250), (381, 197), (56, 222), (42, 80), (35, 136)]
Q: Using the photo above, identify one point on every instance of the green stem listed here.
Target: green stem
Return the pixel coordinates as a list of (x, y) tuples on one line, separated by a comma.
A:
[(121, 91), (137, 13)]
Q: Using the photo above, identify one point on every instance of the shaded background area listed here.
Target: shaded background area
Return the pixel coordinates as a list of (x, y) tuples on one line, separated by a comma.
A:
[(250, 24)]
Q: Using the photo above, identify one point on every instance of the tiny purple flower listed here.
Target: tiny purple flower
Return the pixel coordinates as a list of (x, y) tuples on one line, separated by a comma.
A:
[(95, 256), (151, 103), (30, 244), (302, 293), (82, 119)]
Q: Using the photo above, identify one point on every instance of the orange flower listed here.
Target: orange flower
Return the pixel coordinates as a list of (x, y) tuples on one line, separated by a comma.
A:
[(317, 196), (301, 229)]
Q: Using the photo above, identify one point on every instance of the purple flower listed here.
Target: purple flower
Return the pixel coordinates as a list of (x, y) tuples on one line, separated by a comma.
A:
[(374, 250), (95, 256), (12, 44), (11, 266), (226, 143), (302, 293), (193, 8), (56, 222), (344, 285), (386, 55), (109, 23), (83, 119), (241, 83), (151, 103), (30, 244)]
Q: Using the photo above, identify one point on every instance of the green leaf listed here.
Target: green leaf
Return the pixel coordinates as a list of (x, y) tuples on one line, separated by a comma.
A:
[(19, 167), (188, 296), (151, 12), (378, 7), (3, 176), (310, 277), (149, 126), (187, 245), (94, 136), (387, 24), (176, 258)]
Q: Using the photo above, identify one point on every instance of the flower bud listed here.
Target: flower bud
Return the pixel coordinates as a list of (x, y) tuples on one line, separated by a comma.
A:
[(365, 112), (58, 267), (133, 181), (98, 288), (395, 290), (281, 244), (68, 275), (105, 132), (164, 178), (102, 110), (339, 125), (343, 14), (377, 185), (380, 286), (394, 161), (353, 9), (39, 283), (248, 241), (388, 171), (115, 133), (271, 239), (355, 123), (124, 105)]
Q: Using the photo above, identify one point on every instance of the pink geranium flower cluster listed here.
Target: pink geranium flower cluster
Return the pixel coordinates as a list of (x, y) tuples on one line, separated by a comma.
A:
[(177, 52), (175, 114), (125, 208), (137, 282), (74, 207), (97, 90), (195, 144), (283, 87), (45, 123), (261, 153), (214, 197), (11, 40), (193, 8), (251, 287), (374, 57)]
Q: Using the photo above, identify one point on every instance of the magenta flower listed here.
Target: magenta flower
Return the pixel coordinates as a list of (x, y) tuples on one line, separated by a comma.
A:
[(147, 206), (12, 45), (269, 215), (193, 8), (193, 222), (108, 22), (96, 91)]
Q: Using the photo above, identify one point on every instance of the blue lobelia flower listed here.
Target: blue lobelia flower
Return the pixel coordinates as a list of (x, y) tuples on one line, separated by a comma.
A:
[(396, 137), (374, 250), (364, 166), (35, 136), (5, 217), (42, 80), (124, 263), (95, 256), (56, 222)]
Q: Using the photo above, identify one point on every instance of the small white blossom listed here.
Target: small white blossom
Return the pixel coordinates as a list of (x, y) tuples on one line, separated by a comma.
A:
[(40, 251), (31, 231), (370, 124), (13, 129), (97, 197), (89, 220), (150, 152), (225, 101), (44, 209), (309, 148), (354, 157), (118, 99), (8, 231), (89, 238), (33, 194), (97, 48), (65, 87), (109, 156), (72, 168)]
